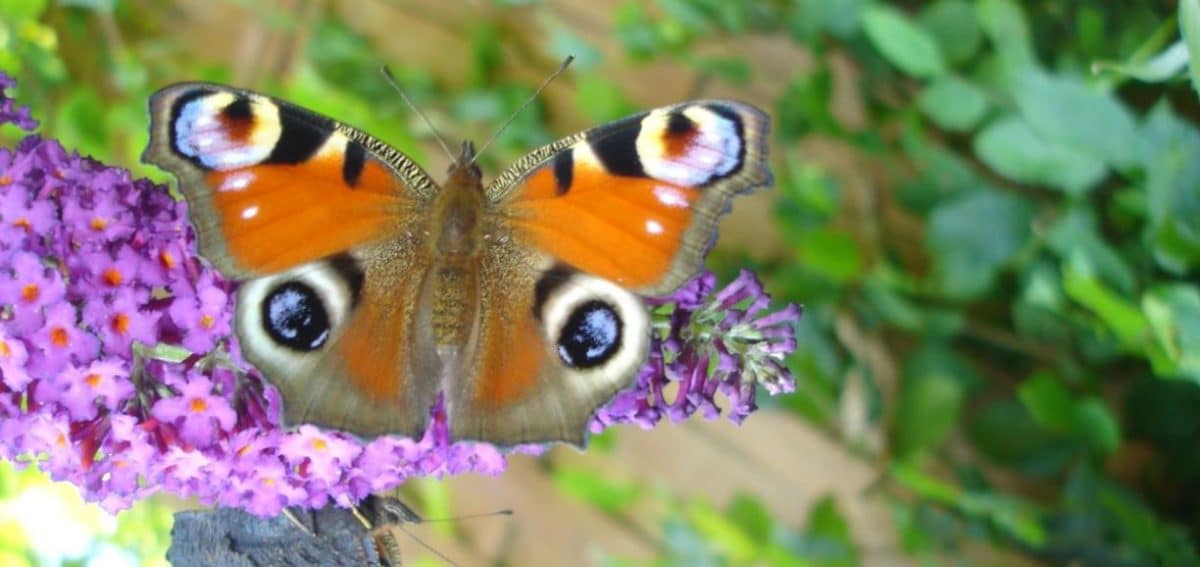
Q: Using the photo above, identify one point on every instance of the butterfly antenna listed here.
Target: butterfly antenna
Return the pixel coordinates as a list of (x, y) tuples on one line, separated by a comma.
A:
[(562, 67), (465, 517), (391, 79)]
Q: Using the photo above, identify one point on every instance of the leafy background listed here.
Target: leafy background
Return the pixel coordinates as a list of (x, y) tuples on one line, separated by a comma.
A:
[(990, 210)]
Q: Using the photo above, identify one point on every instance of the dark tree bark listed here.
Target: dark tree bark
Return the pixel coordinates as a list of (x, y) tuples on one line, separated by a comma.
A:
[(334, 536)]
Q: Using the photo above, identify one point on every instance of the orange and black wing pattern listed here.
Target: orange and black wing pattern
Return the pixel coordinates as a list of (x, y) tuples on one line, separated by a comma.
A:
[(321, 224)]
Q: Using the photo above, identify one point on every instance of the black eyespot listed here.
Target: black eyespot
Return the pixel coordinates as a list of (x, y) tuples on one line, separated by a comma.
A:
[(591, 335), (294, 317)]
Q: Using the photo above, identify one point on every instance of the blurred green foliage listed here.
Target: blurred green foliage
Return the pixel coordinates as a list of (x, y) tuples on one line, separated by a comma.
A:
[(1039, 305)]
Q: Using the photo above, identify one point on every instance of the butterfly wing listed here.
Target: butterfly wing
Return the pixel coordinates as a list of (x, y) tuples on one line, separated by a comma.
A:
[(591, 222), (323, 224)]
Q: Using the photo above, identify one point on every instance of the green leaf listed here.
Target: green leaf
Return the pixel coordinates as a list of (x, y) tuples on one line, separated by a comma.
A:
[(1173, 313), (1077, 232), (806, 106), (954, 25), (1172, 188), (1119, 315), (827, 541), (1096, 425), (928, 410), (1048, 401), (20, 10), (1006, 433), (1012, 148), (971, 237), (904, 44), (953, 104), (1004, 23), (80, 122), (752, 516), (1067, 112), (735, 70), (564, 42), (635, 32), (832, 253), (1161, 67), (599, 98), (596, 489), (722, 532), (1189, 26), (807, 19)]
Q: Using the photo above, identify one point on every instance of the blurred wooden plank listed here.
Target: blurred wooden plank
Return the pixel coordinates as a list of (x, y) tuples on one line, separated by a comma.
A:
[(773, 457), (547, 527)]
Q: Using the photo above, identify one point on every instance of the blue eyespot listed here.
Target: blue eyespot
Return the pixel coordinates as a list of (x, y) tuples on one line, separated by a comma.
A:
[(591, 335), (294, 317)]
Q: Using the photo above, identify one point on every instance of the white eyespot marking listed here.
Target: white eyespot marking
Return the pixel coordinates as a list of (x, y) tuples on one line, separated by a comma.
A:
[(630, 312), (654, 227), (201, 134), (688, 149), (250, 212), (329, 287), (671, 196), (236, 181)]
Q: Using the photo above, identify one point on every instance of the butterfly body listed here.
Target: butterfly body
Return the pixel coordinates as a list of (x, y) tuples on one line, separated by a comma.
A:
[(369, 290)]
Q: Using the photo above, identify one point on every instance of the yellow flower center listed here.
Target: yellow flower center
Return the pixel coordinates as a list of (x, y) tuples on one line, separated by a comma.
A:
[(120, 323), (113, 277), (59, 337), (30, 292)]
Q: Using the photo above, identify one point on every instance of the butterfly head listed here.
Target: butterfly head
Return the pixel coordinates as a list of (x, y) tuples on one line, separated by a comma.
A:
[(464, 171)]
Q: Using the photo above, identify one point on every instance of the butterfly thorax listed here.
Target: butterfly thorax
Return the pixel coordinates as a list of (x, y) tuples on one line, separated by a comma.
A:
[(458, 208), (458, 237)]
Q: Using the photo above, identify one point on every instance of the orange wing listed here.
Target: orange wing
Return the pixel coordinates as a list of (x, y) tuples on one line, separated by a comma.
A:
[(271, 186), (637, 201)]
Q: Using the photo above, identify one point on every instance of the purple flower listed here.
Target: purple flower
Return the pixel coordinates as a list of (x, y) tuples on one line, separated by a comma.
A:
[(10, 113), (13, 356), (196, 411), (732, 328), (204, 316), (119, 370), (62, 342), (121, 320), (29, 288), (84, 390)]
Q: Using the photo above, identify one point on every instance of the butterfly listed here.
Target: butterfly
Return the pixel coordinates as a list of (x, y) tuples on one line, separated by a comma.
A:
[(367, 289)]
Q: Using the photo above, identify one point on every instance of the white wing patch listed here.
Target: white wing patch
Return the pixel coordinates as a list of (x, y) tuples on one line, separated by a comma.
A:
[(709, 149), (202, 134)]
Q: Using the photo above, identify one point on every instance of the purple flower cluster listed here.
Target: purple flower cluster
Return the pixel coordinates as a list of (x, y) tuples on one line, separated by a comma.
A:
[(706, 343), (119, 371)]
